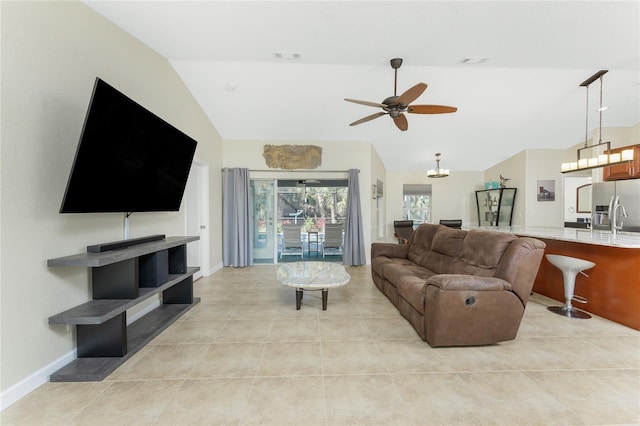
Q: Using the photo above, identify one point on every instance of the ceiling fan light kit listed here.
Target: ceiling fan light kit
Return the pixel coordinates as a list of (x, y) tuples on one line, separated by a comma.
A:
[(437, 172), (605, 158), (395, 106)]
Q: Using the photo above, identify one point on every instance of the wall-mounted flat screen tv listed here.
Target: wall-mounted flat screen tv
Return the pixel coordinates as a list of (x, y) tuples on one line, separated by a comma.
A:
[(128, 159)]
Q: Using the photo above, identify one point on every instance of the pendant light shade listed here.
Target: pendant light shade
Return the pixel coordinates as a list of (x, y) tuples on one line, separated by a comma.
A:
[(437, 172)]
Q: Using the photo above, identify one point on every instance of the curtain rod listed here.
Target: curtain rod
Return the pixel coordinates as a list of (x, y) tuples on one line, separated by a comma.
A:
[(293, 171), (300, 171)]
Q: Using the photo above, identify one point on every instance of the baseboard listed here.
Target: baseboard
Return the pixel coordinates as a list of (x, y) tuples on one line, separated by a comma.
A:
[(214, 269), (40, 377), (35, 380)]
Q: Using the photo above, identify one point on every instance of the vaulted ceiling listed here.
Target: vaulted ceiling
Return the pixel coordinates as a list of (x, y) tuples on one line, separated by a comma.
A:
[(525, 95)]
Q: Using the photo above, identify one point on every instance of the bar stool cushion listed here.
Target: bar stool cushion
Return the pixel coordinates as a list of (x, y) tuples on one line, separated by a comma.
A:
[(566, 263)]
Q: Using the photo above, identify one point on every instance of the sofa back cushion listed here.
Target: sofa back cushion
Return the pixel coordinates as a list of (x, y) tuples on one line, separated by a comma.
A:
[(445, 249), (475, 252), (421, 241), (482, 251)]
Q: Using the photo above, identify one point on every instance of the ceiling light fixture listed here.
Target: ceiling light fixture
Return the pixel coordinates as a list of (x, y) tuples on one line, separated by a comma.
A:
[(437, 172), (606, 158)]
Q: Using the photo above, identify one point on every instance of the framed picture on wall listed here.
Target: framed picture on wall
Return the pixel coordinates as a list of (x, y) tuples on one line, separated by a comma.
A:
[(546, 190)]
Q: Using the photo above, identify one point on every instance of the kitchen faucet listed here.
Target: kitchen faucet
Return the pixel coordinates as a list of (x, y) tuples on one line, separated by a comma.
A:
[(614, 205)]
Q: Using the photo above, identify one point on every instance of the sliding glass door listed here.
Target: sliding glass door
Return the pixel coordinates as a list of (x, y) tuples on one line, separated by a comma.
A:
[(263, 212), (308, 203)]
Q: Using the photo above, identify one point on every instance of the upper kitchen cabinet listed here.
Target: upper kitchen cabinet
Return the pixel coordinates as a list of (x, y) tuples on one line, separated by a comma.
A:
[(628, 170)]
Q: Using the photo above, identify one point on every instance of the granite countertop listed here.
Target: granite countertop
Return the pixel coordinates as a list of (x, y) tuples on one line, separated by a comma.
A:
[(585, 236)]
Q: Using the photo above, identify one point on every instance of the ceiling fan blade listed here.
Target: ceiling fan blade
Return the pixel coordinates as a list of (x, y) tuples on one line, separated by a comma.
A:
[(412, 94), (368, 118), (367, 103), (430, 109), (401, 122)]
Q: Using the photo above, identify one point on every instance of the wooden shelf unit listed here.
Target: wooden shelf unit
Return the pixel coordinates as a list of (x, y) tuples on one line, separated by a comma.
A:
[(121, 279)]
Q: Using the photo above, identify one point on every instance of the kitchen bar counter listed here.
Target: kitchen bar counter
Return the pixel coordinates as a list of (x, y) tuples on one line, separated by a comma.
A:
[(586, 236), (613, 286)]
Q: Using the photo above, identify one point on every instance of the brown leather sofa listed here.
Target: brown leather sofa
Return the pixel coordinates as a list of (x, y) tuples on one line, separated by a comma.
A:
[(458, 287)]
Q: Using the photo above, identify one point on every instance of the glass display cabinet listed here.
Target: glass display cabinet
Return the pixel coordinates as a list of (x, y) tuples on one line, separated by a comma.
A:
[(495, 206)]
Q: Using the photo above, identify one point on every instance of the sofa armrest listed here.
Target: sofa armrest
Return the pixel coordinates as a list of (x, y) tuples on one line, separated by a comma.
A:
[(389, 250), (458, 282)]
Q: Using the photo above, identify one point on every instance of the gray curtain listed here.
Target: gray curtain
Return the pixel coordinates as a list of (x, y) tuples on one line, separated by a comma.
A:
[(353, 235), (237, 249)]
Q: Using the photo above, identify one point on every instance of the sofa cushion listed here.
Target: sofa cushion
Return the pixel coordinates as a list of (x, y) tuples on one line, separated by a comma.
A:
[(445, 249), (389, 250), (379, 263), (421, 241), (411, 289), (484, 249), (397, 270)]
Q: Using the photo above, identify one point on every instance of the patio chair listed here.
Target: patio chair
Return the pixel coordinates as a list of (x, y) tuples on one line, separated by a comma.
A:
[(332, 238), (292, 240)]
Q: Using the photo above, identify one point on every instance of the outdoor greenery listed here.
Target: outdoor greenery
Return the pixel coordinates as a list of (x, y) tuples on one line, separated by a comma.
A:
[(311, 206), (417, 208)]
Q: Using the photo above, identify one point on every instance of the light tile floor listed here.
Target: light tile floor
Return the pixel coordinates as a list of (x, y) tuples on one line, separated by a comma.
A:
[(244, 355)]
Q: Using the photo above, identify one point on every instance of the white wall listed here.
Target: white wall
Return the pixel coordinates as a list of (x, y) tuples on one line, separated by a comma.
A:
[(453, 197), (51, 54), (619, 136), (543, 164), (378, 205)]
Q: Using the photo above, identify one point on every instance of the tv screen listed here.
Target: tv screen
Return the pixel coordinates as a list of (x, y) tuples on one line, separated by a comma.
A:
[(128, 159)]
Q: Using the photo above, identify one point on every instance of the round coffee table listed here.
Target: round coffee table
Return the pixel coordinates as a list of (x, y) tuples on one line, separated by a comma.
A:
[(312, 276)]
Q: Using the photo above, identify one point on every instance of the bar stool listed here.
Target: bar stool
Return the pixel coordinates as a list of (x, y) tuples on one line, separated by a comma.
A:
[(570, 267)]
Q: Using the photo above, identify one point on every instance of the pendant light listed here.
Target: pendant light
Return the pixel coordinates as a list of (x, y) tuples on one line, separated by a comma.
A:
[(606, 158), (437, 172)]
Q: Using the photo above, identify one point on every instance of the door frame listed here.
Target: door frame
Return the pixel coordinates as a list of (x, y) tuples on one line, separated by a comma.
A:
[(202, 169), (274, 229)]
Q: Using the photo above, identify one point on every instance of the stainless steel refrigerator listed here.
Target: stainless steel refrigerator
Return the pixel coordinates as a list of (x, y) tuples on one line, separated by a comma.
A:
[(602, 196)]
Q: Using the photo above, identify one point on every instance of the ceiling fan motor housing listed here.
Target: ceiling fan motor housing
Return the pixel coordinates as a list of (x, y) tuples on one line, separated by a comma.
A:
[(392, 106)]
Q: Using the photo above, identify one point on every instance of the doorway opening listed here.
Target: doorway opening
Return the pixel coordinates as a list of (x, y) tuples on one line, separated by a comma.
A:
[(196, 201), (306, 205)]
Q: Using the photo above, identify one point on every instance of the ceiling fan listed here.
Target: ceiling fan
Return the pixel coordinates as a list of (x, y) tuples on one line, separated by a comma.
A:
[(395, 105)]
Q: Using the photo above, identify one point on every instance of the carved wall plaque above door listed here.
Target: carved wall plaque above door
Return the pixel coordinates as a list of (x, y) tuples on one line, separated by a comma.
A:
[(292, 156)]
